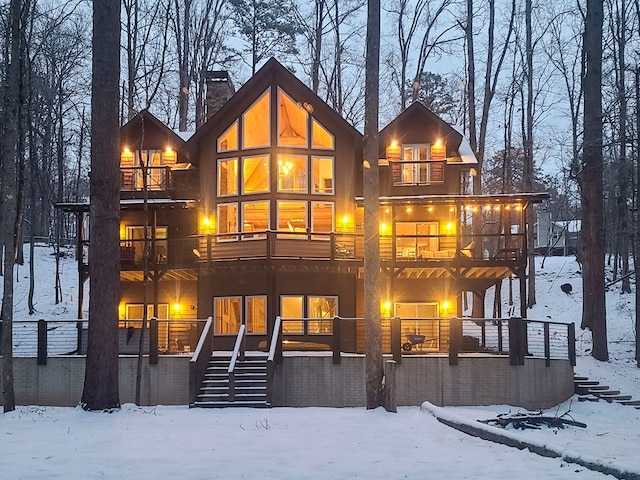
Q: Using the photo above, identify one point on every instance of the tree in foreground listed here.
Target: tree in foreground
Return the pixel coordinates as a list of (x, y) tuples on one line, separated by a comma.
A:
[(101, 374), (373, 336), (591, 187)]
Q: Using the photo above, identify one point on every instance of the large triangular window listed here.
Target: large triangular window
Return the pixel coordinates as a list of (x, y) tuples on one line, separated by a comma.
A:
[(321, 137), (292, 122)]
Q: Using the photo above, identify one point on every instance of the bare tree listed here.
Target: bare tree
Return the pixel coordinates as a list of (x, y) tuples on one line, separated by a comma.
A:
[(101, 373), (592, 234)]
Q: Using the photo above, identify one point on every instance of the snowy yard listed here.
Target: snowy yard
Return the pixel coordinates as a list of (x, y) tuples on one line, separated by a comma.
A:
[(322, 443)]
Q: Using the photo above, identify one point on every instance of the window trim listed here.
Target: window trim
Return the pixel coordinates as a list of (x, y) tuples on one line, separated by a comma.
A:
[(226, 236), (218, 173), (258, 236), (242, 179), (333, 176)]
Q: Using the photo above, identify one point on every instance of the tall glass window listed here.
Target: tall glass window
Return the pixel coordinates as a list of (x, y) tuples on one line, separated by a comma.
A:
[(255, 123), (256, 314), (292, 306), (292, 122), (227, 220), (227, 177), (292, 173), (322, 175), (255, 218), (255, 174), (227, 312), (228, 141)]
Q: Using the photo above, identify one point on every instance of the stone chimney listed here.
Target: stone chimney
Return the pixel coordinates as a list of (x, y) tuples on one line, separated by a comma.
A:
[(219, 90)]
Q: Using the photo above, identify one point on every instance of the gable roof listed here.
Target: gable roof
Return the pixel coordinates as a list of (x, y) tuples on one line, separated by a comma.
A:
[(147, 130), (418, 124), (272, 72)]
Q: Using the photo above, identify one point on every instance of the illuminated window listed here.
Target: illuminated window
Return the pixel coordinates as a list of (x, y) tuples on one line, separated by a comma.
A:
[(418, 240), (322, 171), (228, 141), (322, 220), (320, 136), (292, 307), (227, 177), (227, 221), (324, 308), (255, 123), (255, 174), (256, 314), (155, 162), (292, 217), (292, 173), (292, 122), (227, 312), (255, 218), (416, 167)]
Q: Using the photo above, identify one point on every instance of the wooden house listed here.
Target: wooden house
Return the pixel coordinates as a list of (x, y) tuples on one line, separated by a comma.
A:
[(260, 214)]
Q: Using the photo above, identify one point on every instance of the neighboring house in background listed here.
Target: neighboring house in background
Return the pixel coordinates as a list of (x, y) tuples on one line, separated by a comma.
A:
[(556, 237)]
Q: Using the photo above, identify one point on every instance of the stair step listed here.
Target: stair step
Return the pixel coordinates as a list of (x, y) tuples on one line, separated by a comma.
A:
[(588, 383), (606, 393), (630, 403), (616, 398), (580, 379), (204, 404), (598, 388), (588, 398)]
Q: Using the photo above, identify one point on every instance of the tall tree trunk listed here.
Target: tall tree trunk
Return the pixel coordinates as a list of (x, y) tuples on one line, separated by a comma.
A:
[(8, 193), (528, 160), (593, 306), (373, 334), (101, 373)]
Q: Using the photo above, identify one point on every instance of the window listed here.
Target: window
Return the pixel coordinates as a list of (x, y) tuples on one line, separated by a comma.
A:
[(255, 123), (227, 177), (134, 311), (255, 174), (292, 173), (320, 136), (324, 308), (227, 221), (417, 240), (322, 171), (417, 167), (228, 141), (322, 220), (255, 218), (292, 122), (256, 314), (227, 312), (292, 217), (292, 307)]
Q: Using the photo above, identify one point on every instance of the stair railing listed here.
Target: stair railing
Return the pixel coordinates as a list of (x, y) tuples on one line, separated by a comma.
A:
[(273, 348), (238, 352), (200, 360)]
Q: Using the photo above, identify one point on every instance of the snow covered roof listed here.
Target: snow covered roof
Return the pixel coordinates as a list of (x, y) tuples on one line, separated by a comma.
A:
[(184, 135)]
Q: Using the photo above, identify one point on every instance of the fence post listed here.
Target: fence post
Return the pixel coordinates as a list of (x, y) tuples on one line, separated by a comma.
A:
[(153, 341), (455, 339), (42, 342), (396, 340), (572, 343), (390, 386), (547, 346), (515, 343), (337, 340), (79, 340)]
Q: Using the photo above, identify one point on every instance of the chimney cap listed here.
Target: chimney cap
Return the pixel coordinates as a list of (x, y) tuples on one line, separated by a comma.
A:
[(215, 76)]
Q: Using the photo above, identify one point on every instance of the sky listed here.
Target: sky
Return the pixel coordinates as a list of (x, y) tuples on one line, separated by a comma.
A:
[(40, 442)]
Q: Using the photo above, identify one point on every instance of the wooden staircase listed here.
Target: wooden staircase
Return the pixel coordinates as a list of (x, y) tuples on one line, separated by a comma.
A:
[(592, 391), (245, 387)]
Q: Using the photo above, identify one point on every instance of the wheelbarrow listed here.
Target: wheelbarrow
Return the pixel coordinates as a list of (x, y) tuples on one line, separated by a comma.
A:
[(413, 341)]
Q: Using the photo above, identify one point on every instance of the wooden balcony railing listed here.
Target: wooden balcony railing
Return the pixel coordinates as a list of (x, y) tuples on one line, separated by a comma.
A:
[(158, 178), (424, 249)]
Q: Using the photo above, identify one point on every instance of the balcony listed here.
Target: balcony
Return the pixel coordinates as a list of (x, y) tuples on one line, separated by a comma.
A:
[(159, 179), (405, 250)]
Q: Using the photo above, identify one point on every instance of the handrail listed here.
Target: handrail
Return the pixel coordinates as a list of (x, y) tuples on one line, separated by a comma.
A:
[(238, 351), (273, 347), (200, 360)]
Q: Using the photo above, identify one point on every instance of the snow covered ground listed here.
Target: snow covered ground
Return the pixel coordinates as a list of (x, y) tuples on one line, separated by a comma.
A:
[(323, 443)]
